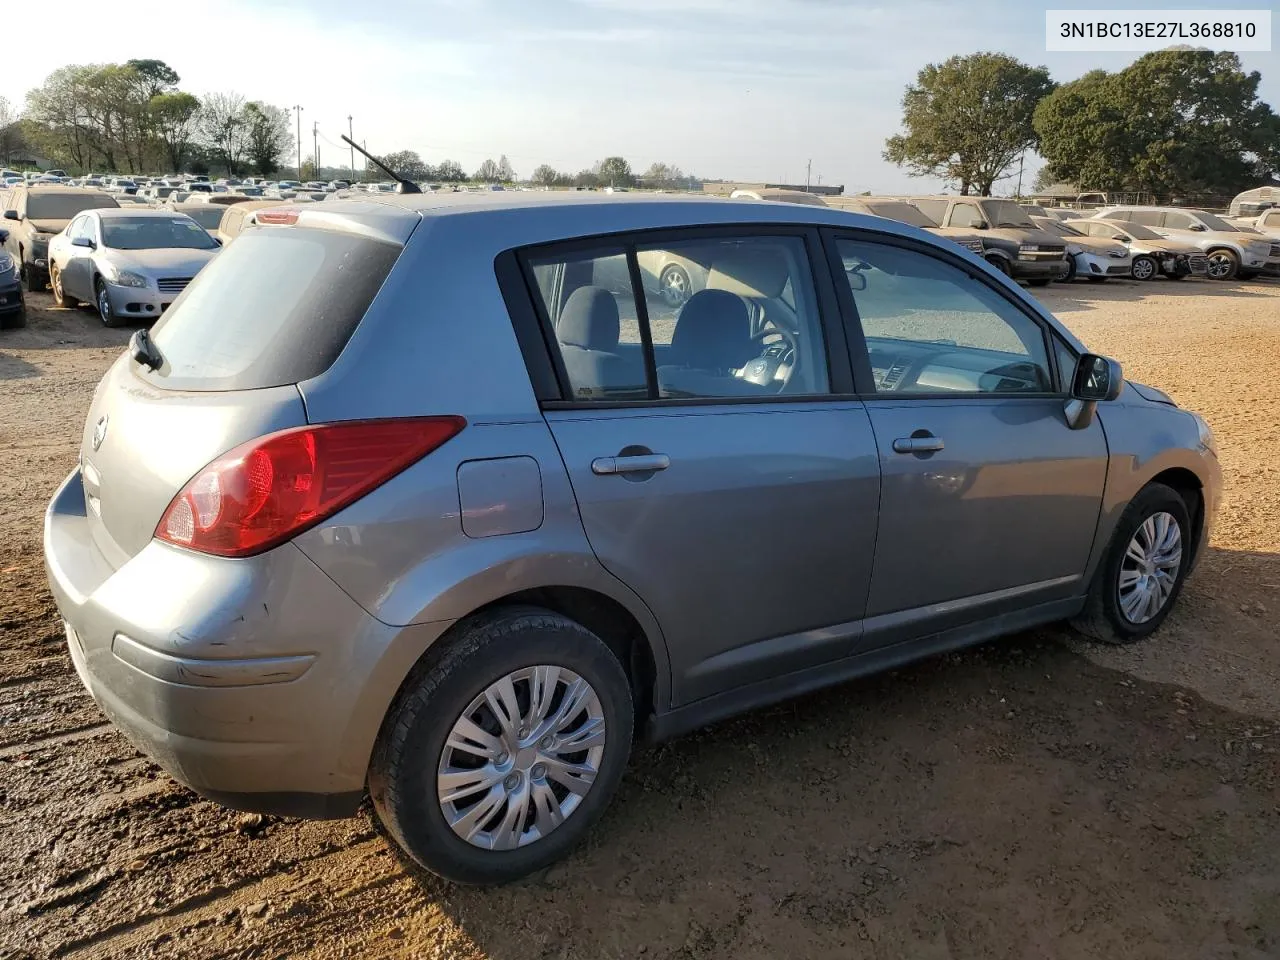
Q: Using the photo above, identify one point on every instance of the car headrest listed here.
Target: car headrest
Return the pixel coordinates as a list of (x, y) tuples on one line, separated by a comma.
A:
[(589, 320), (713, 332), (750, 273)]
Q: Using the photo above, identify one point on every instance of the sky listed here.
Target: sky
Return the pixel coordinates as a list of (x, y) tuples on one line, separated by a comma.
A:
[(733, 89)]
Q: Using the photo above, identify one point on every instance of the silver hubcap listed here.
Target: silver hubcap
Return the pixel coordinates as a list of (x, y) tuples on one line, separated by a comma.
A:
[(1142, 269), (1219, 266), (675, 286), (1150, 568), (104, 304), (521, 758)]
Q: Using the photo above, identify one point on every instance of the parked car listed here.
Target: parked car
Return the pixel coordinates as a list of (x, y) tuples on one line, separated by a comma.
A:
[(198, 186), (1042, 256), (37, 214), (779, 195), (1152, 254), (13, 306), (992, 249), (1231, 253), (208, 215), (131, 264), (218, 199), (238, 216), (467, 591), (1266, 223), (1096, 259)]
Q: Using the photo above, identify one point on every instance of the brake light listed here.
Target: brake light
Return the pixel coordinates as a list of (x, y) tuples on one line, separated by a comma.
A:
[(271, 489), (286, 217)]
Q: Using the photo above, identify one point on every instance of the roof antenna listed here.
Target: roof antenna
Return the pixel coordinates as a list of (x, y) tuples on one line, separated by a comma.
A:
[(406, 186)]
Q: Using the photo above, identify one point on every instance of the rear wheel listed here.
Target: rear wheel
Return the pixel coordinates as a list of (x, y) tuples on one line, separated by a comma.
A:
[(59, 296), (103, 302), (503, 750), (1223, 265), (1145, 268), (674, 285), (1143, 570), (34, 278)]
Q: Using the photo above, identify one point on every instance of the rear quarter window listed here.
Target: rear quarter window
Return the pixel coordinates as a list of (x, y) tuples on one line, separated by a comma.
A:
[(276, 307)]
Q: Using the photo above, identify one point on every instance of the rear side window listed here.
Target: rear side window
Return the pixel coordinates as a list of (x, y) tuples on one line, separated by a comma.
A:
[(275, 307)]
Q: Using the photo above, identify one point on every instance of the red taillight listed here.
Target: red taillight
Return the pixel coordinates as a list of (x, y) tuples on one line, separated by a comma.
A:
[(271, 489), (286, 216)]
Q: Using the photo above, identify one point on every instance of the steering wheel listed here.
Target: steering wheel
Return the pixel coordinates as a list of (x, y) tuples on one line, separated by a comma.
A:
[(764, 368)]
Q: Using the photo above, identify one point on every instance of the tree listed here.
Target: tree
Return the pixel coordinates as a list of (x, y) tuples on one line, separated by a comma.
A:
[(450, 171), (269, 136), (153, 77), (173, 119), (10, 131), (545, 175), (586, 178), (663, 175), (487, 172), (968, 119), (408, 164), (1172, 122), (224, 129), (615, 172), (505, 173)]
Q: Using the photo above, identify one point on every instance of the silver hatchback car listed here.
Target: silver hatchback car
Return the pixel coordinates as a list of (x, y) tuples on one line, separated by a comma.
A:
[(433, 498)]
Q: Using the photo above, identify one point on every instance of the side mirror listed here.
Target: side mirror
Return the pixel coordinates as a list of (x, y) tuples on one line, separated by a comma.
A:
[(1097, 378), (1199, 227), (83, 242), (1121, 237), (11, 215), (981, 225)]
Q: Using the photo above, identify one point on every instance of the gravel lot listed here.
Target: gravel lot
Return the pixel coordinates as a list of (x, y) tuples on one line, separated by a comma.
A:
[(1036, 798)]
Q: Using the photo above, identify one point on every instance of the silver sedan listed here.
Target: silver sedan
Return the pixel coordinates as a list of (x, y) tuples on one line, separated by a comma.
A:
[(130, 263)]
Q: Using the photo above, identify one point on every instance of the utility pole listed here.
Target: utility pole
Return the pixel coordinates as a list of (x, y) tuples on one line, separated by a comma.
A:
[(1021, 160), (808, 167), (315, 147), (352, 136), (298, 110)]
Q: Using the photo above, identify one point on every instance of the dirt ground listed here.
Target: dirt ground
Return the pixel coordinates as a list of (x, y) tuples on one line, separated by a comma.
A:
[(1039, 797)]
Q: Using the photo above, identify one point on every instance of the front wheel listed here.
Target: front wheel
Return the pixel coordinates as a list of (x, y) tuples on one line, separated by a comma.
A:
[(102, 299), (1001, 264), (1143, 570), (1071, 271), (502, 751), (1145, 268), (674, 285), (1223, 265)]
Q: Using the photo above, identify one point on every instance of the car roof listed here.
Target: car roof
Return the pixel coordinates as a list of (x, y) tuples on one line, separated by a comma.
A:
[(132, 212)]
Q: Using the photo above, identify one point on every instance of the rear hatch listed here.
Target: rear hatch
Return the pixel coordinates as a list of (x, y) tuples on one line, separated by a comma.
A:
[(273, 309)]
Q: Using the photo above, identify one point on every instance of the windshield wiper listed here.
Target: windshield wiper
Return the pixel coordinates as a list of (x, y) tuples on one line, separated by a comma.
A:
[(144, 350)]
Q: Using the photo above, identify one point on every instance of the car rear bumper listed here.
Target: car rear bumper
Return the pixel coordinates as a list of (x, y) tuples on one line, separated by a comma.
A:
[(256, 682)]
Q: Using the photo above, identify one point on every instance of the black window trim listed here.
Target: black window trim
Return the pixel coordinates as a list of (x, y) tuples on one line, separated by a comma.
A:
[(860, 357), (525, 306)]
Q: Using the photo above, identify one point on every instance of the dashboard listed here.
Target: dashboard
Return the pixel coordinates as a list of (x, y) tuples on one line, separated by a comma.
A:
[(904, 366)]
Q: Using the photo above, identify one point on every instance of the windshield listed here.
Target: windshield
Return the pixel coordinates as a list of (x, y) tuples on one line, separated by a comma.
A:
[(902, 212), (1215, 223), (154, 233), (1137, 231), (64, 206), (1006, 213)]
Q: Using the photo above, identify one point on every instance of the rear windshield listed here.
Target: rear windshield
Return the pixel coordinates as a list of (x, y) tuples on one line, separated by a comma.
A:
[(63, 206), (208, 217), (275, 307)]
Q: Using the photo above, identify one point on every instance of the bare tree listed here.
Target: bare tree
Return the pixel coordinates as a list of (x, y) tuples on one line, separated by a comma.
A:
[(224, 128)]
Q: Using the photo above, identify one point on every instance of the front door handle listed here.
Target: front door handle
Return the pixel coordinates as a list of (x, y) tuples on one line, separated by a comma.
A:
[(642, 463), (928, 444)]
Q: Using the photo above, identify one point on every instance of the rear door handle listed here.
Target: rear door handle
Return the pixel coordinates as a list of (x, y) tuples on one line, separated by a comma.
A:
[(644, 463), (918, 445)]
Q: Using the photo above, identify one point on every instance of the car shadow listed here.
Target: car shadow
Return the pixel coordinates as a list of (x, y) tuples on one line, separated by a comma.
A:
[(1004, 797), (50, 327), (15, 368), (1082, 295)]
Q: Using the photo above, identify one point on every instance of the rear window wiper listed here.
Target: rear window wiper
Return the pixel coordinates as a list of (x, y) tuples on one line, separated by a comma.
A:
[(144, 350)]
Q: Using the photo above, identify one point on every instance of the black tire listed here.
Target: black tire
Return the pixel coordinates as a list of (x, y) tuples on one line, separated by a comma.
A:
[(482, 650), (103, 304), (674, 285), (60, 298), (1102, 617), (1225, 262), (1071, 271), (1001, 264), (1145, 268), (34, 277), (16, 320)]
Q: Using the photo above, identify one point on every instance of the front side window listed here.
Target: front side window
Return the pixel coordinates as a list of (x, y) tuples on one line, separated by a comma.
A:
[(932, 328), (1148, 218), (715, 318), (966, 215), (1178, 221)]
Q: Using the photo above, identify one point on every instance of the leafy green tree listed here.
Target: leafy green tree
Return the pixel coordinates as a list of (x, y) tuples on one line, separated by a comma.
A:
[(269, 135), (615, 172), (450, 171), (1174, 122), (966, 120), (505, 173), (663, 175), (487, 172), (545, 175), (408, 164), (173, 120), (586, 178), (153, 77)]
